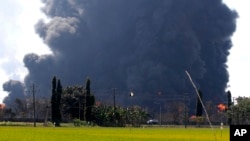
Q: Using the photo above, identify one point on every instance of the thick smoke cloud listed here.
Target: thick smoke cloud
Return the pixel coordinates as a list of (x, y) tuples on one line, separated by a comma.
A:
[(139, 45), (15, 89)]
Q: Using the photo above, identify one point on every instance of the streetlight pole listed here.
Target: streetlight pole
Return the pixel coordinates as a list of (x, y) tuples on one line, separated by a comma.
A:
[(131, 95), (34, 104)]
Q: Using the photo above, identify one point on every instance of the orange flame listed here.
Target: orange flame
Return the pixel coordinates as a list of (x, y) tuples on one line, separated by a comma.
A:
[(98, 103), (222, 107), (193, 117), (2, 106)]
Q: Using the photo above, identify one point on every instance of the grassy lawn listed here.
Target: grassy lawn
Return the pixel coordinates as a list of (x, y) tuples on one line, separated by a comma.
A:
[(24, 133)]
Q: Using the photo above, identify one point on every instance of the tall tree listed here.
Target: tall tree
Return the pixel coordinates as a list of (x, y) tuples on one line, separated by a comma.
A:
[(56, 101), (229, 99), (199, 105), (229, 103), (53, 100), (89, 102)]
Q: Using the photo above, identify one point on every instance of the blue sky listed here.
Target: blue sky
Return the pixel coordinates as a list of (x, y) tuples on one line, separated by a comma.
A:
[(17, 38)]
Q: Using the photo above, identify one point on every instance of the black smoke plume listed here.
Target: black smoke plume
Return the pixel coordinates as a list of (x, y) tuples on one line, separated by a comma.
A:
[(143, 46), (15, 90)]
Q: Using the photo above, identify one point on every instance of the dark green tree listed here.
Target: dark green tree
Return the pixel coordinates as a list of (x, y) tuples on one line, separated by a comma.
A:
[(229, 103), (137, 116), (240, 111), (199, 105), (89, 102), (107, 115), (58, 111), (53, 99), (56, 102), (73, 102), (78, 102)]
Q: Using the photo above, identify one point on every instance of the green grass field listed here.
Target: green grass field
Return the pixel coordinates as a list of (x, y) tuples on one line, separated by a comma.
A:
[(24, 133)]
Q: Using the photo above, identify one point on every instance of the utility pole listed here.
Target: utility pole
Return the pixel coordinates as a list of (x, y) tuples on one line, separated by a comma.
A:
[(85, 104), (79, 108), (114, 93), (114, 103), (46, 116), (34, 104), (160, 113), (185, 109), (160, 116), (79, 111)]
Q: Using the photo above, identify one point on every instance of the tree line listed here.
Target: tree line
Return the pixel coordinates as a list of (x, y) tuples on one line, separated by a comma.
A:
[(78, 102), (73, 102)]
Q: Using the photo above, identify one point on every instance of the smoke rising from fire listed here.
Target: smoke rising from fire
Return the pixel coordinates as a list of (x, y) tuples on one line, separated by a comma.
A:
[(139, 45)]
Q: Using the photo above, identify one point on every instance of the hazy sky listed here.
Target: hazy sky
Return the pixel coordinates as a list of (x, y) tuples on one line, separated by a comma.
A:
[(17, 38), (239, 58)]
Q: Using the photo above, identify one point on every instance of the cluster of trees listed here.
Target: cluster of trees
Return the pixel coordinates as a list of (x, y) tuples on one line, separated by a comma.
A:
[(117, 116), (235, 112), (72, 102), (78, 102), (56, 101), (22, 110), (239, 111)]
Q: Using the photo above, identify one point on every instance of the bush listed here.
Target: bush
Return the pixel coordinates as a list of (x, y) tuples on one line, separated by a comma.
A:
[(77, 122)]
